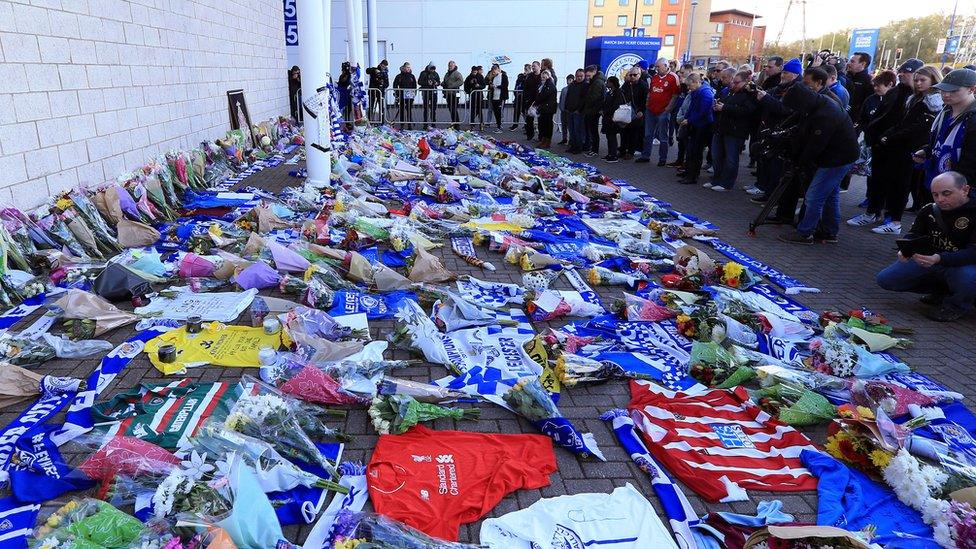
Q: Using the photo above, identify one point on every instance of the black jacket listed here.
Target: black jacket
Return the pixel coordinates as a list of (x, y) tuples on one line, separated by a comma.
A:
[(378, 78), (825, 137), (593, 99), (519, 82), (957, 244), (530, 89), (574, 96), (738, 115), (428, 80), (868, 109), (860, 87), (612, 100), (502, 93), (547, 98), (912, 133), (404, 80), (772, 81), (474, 82), (771, 108), (889, 113), (636, 94)]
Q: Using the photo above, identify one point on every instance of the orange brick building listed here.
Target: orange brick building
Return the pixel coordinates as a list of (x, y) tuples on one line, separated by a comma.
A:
[(734, 35)]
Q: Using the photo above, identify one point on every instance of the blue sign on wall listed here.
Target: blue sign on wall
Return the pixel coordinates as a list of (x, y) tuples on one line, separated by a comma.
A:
[(616, 54), (864, 40), (291, 23), (952, 45)]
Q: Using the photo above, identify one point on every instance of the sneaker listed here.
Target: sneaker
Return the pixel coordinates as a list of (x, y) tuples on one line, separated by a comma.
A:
[(720, 189), (932, 299), (796, 239), (759, 199), (590, 154), (843, 190), (642, 160), (656, 142), (826, 238), (611, 159), (755, 191), (947, 313), (513, 127), (675, 164), (863, 220), (661, 163), (891, 227), (497, 130), (707, 184)]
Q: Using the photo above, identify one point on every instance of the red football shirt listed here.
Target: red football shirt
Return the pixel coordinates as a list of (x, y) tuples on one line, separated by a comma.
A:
[(436, 481), (663, 88)]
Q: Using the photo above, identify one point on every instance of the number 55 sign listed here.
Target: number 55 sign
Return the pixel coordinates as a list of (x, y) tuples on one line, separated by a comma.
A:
[(291, 23)]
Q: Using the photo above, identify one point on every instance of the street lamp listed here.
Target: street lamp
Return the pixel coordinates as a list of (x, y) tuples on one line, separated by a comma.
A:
[(691, 26)]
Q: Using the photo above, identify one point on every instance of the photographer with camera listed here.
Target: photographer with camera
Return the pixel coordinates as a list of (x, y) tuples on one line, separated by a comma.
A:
[(735, 109), (859, 83), (771, 114), (824, 144), (938, 255)]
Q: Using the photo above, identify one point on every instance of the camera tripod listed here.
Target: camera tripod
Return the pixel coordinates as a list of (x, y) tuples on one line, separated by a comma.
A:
[(789, 177)]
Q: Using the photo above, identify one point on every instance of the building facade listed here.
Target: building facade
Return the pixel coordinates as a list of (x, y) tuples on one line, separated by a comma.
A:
[(735, 36), (671, 20)]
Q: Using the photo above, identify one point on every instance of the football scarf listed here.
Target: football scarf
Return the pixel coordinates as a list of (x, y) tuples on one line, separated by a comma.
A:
[(791, 285), (16, 523), (20, 312)]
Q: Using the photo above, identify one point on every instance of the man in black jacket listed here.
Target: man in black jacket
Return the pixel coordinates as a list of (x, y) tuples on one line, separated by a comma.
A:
[(940, 257), (827, 145), (517, 101), (858, 82), (574, 106), (773, 70), (635, 92), (474, 85), (428, 82), (379, 79), (735, 115), (530, 89), (593, 107)]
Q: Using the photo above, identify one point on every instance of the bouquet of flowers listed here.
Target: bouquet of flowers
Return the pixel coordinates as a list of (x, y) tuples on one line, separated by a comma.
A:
[(796, 405), (551, 304), (398, 413), (368, 530), (634, 308), (86, 523), (183, 492), (530, 400), (572, 369), (280, 421), (734, 275), (423, 392), (714, 366), (24, 351), (697, 323), (601, 276)]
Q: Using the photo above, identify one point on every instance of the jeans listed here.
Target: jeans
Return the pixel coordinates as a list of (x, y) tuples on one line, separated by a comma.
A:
[(452, 106), (822, 202), (656, 126), (577, 132), (430, 105), (496, 109), (564, 124), (696, 139), (958, 283), (592, 124), (611, 134), (726, 150)]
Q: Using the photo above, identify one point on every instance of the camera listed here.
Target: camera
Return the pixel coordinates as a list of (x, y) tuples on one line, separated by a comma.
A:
[(777, 141), (751, 87)]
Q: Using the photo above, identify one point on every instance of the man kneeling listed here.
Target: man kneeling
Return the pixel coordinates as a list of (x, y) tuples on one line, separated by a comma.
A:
[(938, 256)]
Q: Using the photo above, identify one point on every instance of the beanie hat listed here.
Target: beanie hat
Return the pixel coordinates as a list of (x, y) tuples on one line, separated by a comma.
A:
[(643, 64), (911, 65), (794, 66)]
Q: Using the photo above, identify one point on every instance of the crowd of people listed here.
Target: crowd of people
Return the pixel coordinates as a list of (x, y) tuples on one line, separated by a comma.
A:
[(806, 126)]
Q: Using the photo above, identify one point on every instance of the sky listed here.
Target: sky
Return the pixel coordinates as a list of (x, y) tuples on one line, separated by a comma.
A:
[(824, 16)]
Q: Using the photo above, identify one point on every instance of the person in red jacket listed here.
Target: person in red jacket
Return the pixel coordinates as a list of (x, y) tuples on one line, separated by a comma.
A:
[(661, 100)]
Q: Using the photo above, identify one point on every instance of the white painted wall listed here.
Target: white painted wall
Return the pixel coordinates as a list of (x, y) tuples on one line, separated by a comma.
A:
[(420, 31), (90, 89)]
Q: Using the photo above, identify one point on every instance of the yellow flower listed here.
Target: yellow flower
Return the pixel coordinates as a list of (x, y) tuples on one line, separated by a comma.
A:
[(865, 412), (525, 263), (593, 277), (63, 203), (683, 318), (478, 238), (880, 458), (833, 446), (732, 270)]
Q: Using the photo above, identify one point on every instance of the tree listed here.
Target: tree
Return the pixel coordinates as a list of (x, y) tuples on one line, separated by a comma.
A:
[(904, 34)]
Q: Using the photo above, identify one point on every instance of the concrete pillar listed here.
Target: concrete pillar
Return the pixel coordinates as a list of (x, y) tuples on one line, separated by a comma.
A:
[(314, 20), (371, 16)]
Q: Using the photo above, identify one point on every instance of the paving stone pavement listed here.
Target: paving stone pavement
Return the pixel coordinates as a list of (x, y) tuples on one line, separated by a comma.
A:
[(843, 271)]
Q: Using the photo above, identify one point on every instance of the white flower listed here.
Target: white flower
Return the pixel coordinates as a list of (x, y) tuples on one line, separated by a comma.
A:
[(197, 465), (224, 465)]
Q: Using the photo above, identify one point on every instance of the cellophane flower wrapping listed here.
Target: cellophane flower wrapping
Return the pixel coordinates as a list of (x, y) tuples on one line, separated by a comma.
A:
[(529, 399), (86, 524), (397, 413), (353, 530)]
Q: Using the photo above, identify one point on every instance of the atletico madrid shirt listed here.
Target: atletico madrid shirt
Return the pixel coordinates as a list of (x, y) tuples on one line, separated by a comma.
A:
[(437, 480), (719, 442)]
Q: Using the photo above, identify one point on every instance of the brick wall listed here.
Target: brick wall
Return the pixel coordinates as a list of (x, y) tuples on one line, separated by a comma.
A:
[(90, 89)]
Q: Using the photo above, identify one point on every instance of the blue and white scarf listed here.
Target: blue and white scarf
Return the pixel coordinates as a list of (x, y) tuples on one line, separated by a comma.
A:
[(16, 523), (791, 285)]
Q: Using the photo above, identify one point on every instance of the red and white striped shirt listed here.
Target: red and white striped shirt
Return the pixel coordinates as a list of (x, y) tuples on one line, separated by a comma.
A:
[(719, 443)]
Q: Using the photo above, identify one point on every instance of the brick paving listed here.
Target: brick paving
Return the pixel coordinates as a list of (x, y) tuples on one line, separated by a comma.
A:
[(844, 272)]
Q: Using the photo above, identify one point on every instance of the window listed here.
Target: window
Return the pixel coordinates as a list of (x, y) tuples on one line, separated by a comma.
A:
[(598, 3), (673, 2), (621, 20), (623, 2), (648, 2), (720, 27), (597, 20), (669, 40), (646, 20), (672, 19)]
